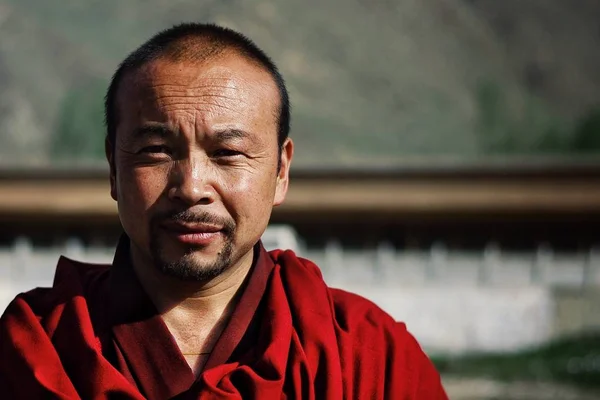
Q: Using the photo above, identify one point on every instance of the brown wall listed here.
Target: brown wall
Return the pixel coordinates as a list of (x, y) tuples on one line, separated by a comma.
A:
[(410, 206)]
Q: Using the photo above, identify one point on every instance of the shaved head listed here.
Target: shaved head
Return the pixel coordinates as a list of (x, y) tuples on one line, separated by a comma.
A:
[(195, 43)]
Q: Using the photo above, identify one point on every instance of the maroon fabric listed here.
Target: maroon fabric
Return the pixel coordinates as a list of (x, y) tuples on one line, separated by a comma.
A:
[(96, 335)]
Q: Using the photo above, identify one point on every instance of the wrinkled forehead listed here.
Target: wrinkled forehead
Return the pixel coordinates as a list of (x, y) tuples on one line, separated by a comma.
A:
[(225, 83)]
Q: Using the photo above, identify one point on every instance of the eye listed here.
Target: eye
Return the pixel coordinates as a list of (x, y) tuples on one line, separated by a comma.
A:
[(157, 149), (226, 153)]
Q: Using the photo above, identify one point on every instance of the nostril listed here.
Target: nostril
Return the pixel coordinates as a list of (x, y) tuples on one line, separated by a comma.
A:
[(205, 200), (192, 194)]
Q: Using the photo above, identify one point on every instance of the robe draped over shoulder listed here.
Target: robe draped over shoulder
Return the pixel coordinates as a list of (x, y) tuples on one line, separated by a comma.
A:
[(96, 335)]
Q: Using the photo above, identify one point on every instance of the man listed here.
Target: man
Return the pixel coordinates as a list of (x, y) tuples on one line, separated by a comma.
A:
[(193, 307)]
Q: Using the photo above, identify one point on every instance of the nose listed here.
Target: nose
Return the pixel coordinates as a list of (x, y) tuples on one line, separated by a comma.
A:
[(192, 182)]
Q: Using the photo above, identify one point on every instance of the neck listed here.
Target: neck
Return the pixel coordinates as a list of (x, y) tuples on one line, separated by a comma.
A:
[(194, 312)]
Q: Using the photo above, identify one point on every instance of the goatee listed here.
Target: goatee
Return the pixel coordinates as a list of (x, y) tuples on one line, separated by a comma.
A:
[(186, 268)]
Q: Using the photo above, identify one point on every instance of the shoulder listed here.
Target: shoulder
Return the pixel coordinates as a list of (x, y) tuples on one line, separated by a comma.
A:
[(351, 311), (348, 307), (288, 260), (77, 278), (376, 351), (72, 278), (384, 347), (367, 326)]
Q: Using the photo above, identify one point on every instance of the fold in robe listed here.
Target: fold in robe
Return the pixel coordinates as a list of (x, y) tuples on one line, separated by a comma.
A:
[(96, 335)]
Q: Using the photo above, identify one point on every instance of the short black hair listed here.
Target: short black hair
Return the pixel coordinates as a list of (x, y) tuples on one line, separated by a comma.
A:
[(195, 42)]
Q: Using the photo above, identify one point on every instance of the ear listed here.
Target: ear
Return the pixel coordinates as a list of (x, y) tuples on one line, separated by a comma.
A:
[(283, 175), (110, 157)]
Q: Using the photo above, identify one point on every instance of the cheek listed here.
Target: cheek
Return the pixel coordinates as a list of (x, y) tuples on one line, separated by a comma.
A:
[(250, 195), (140, 188)]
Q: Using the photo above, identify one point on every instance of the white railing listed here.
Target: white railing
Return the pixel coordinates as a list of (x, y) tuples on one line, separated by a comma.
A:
[(491, 266), (451, 300), (384, 265)]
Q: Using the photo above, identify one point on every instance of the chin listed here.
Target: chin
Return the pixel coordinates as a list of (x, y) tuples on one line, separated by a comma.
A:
[(197, 265), (188, 271)]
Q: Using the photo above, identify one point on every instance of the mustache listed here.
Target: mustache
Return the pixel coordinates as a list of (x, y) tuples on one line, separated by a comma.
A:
[(190, 217)]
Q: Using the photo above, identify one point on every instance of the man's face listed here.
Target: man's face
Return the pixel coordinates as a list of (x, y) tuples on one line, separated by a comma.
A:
[(195, 163)]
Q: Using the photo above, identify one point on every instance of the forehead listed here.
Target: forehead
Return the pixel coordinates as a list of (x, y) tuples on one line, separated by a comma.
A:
[(226, 84)]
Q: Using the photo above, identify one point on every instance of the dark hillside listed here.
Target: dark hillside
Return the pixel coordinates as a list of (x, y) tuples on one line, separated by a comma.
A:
[(372, 82)]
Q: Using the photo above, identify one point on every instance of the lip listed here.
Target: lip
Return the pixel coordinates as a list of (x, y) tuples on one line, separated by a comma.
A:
[(193, 234)]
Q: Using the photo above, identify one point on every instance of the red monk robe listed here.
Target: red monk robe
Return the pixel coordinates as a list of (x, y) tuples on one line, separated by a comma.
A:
[(96, 335)]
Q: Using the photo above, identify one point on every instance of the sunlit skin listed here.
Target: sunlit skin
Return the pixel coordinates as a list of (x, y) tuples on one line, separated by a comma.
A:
[(198, 142)]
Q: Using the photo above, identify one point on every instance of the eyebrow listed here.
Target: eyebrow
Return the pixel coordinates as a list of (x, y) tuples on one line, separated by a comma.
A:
[(162, 131), (223, 135), (152, 130)]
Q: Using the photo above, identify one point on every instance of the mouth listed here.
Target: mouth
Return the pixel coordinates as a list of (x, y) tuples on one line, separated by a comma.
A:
[(193, 234)]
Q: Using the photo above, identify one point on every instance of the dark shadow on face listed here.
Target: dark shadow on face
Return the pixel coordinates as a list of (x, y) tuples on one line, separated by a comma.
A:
[(186, 268)]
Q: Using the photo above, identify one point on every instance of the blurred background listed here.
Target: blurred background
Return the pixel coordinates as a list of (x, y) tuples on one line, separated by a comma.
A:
[(447, 164)]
